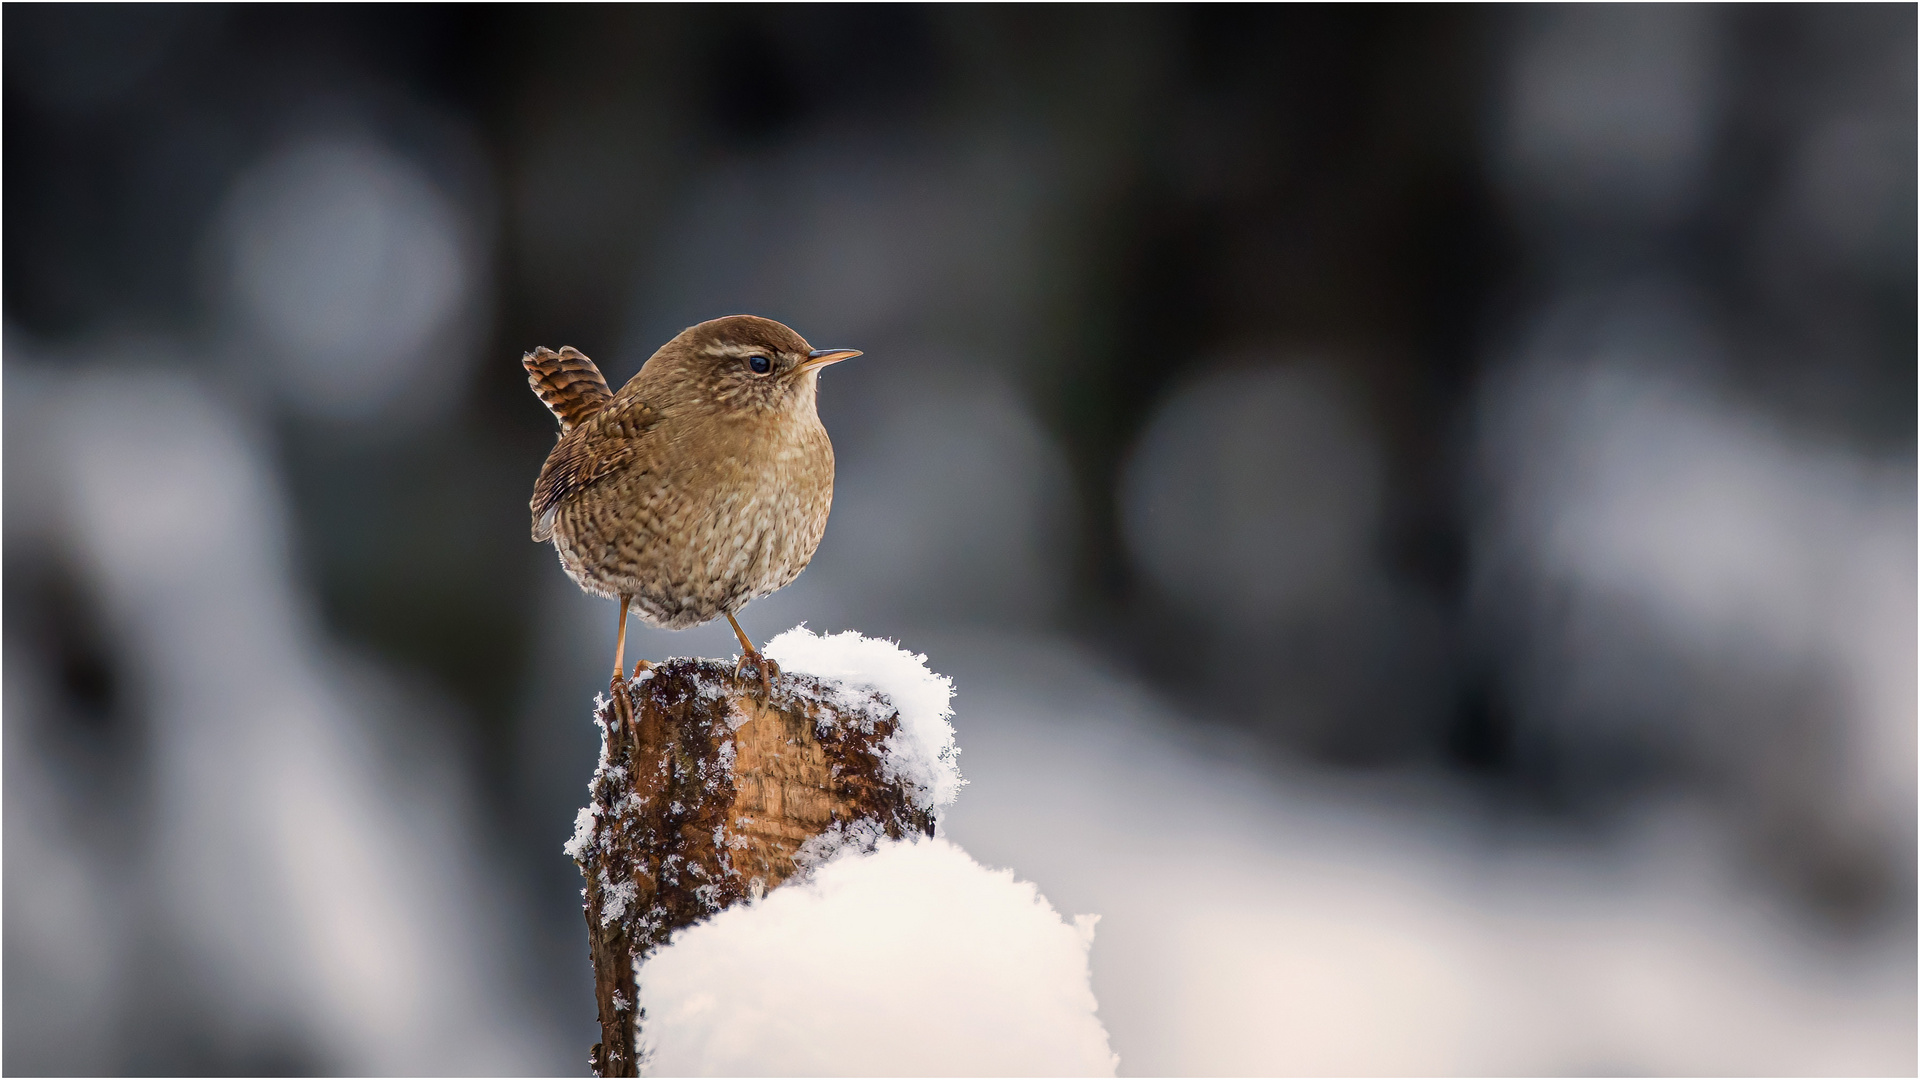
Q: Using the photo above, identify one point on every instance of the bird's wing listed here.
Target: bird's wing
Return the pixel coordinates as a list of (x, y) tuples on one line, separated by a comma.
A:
[(568, 383), (583, 456)]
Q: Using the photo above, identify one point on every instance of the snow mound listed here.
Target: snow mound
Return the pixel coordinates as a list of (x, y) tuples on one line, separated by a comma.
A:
[(922, 752), (912, 960)]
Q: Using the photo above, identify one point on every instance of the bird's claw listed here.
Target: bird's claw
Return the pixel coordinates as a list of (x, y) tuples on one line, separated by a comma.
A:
[(769, 670), (623, 707)]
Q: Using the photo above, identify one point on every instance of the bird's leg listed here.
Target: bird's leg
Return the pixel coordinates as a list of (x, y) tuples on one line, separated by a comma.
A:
[(622, 704), (620, 642), (767, 667)]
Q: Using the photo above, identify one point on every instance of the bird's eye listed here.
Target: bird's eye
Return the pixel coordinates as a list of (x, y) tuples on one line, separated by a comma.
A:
[(760, 364)]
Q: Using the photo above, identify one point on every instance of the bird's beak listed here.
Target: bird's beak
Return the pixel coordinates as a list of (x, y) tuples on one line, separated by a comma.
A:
[(820, 358)]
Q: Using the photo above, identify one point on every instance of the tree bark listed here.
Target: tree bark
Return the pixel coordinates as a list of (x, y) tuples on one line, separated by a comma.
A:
[(709, 793)]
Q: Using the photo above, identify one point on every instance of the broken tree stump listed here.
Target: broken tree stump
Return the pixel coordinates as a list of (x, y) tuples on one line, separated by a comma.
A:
[(708, 793)]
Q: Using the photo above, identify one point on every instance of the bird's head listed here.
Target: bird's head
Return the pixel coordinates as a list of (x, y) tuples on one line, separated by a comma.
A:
[(745, 362)]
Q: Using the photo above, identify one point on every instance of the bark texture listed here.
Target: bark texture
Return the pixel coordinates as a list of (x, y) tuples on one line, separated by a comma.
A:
[(708, 793)]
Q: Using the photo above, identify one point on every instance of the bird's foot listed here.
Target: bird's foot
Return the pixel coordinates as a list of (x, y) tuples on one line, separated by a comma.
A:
[(640, 666), (623, 705), (769, 670)]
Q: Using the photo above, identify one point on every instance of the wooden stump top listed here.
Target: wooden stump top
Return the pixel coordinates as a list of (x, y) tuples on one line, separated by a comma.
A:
[(708, 793)]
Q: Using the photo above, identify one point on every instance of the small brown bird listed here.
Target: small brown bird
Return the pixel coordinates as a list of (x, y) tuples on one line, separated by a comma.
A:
[(702, 485)]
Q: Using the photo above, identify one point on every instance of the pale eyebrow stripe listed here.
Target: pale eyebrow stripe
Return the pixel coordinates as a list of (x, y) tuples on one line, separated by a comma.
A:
[(741, 351)]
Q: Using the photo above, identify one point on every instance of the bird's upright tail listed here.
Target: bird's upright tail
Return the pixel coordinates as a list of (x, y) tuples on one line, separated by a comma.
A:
[(568, 384)]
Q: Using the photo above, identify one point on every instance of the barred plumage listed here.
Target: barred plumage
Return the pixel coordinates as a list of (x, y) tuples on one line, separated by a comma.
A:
[(568, 383), (702, 485)]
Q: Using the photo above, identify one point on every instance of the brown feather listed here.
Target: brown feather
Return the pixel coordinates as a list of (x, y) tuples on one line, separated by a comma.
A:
[(568, 383), (702, 483), (586, 454)]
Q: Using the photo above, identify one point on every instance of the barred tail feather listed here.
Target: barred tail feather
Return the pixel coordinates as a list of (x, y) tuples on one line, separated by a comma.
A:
[(567, 383)]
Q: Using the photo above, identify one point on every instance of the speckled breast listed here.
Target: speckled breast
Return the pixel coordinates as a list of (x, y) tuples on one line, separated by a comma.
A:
[(691, 540)]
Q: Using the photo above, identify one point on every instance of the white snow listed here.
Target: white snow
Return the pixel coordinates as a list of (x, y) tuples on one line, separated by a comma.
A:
[(864, 834), (614, 898), (922, 752), (911, 960), (585, 824)]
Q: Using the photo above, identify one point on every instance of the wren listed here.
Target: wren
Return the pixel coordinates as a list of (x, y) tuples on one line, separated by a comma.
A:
[(701, 486)]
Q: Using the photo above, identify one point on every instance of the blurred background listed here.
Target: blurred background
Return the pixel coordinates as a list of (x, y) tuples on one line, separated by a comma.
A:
[(1419, 505)]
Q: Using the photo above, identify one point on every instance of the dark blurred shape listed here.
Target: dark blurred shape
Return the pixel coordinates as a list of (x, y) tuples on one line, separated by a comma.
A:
[(756, 90), (85, 58), (78, 644), (1479, 735)]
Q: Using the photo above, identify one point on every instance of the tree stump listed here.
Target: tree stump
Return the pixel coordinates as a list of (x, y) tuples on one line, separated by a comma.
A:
[(709, 792)]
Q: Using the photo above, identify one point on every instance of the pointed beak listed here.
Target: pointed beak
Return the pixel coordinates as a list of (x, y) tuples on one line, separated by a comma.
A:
[(820, 358)]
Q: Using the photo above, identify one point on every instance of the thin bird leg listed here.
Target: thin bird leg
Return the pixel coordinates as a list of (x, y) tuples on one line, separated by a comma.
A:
[(622, 704), (620, 643), (753, 654)]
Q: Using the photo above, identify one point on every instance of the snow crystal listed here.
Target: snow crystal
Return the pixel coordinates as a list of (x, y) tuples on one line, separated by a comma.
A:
[(921, 753), (614, 898), (934, 964), (584, 825), (862, 835)]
